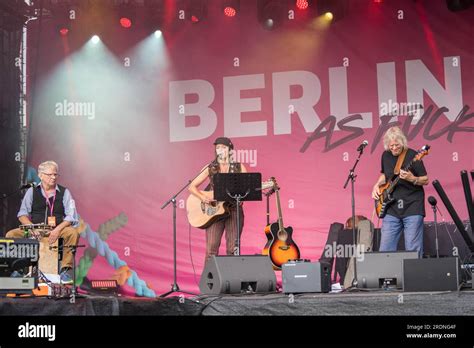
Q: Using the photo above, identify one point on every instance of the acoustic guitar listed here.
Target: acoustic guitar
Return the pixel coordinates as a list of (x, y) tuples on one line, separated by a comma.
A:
[(386, 190), (202, 215), (280, 246)]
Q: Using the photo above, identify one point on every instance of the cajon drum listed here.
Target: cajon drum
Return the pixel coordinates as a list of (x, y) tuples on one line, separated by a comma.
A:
[(48, 262)]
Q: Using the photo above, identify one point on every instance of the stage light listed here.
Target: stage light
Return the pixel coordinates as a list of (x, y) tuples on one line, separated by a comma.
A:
[(95, 39), (231, 7), (125, 22), (271, 13), (302, 4), (63, 21), (63, 31), (332, 10), (230, 11), (158, 34), (197, 10), (269, 23)]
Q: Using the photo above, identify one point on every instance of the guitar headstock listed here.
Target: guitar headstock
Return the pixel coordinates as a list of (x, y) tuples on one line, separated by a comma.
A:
[(275, 184), (422, 152)]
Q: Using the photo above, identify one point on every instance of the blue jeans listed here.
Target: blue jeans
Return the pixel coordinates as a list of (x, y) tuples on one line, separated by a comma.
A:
[(412, 227)]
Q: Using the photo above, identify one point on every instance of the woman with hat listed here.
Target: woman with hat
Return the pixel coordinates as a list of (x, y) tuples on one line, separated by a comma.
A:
[(223, 163)]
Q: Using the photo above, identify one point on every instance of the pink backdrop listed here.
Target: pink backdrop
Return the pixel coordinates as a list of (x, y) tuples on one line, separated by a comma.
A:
[(133, 153)]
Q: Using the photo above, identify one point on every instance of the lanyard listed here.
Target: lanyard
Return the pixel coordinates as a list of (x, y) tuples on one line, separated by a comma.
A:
[(51, 206)]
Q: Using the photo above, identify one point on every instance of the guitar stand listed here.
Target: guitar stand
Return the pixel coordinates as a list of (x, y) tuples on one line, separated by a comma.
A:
[(267, 196)]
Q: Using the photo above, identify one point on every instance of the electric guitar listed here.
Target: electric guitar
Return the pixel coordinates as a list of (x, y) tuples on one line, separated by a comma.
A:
[(280, 246), (202, 215), (386, 190)]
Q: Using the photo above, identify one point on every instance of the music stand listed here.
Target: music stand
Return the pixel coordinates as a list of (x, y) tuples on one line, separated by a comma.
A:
[(238, 187)]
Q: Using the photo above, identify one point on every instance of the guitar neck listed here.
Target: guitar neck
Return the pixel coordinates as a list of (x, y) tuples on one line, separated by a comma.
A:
[(397, 179), (280, 215)]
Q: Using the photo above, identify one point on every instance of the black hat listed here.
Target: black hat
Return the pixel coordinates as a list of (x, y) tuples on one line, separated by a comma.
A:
[(224, 141)]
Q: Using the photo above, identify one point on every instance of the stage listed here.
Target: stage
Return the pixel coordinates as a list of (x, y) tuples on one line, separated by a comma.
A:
[(358, 303)]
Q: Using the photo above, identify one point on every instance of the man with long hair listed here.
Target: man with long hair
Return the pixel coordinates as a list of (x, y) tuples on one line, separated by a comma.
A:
[(408, 210)]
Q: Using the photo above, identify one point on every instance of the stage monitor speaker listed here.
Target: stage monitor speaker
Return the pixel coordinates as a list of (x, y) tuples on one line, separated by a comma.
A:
[(432, 274), (382, 269), (237, 274), (301, 277)]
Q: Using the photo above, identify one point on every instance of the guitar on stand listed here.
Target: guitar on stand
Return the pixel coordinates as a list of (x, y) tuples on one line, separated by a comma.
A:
[(386, 190), (280, 246)]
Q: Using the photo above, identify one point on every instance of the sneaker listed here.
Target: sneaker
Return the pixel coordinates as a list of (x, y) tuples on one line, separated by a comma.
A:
[(16, 274), (65, 277)]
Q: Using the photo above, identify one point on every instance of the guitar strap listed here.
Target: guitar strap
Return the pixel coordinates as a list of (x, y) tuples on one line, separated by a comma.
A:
[(400, 160)]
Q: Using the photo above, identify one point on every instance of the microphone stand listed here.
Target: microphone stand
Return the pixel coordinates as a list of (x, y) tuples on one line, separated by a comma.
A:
[(175, 286), (352, 177), (435, 210), (237, 198), (73, 248)]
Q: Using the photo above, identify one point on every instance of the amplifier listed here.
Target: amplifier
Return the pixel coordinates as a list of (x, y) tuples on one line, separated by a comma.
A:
[(300, 277), (431, 274), (17, 285)]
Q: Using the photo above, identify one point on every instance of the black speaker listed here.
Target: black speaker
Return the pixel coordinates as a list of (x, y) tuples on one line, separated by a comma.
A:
[(431, 274), (300, 277), (382, 269), (237, 274)]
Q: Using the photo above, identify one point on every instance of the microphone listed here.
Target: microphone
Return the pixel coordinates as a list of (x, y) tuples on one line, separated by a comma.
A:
[(219, 154), (361, 146), (31, 184), (432, 201)]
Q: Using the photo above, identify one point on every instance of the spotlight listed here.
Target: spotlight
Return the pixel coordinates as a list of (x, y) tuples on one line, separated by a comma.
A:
[(230, 11), (231, 7), (63, 21), (271, 13), (95, 39), (332, 10), (158, 34), (197, 10), (125, 22), (63, 31), (302, 4)]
